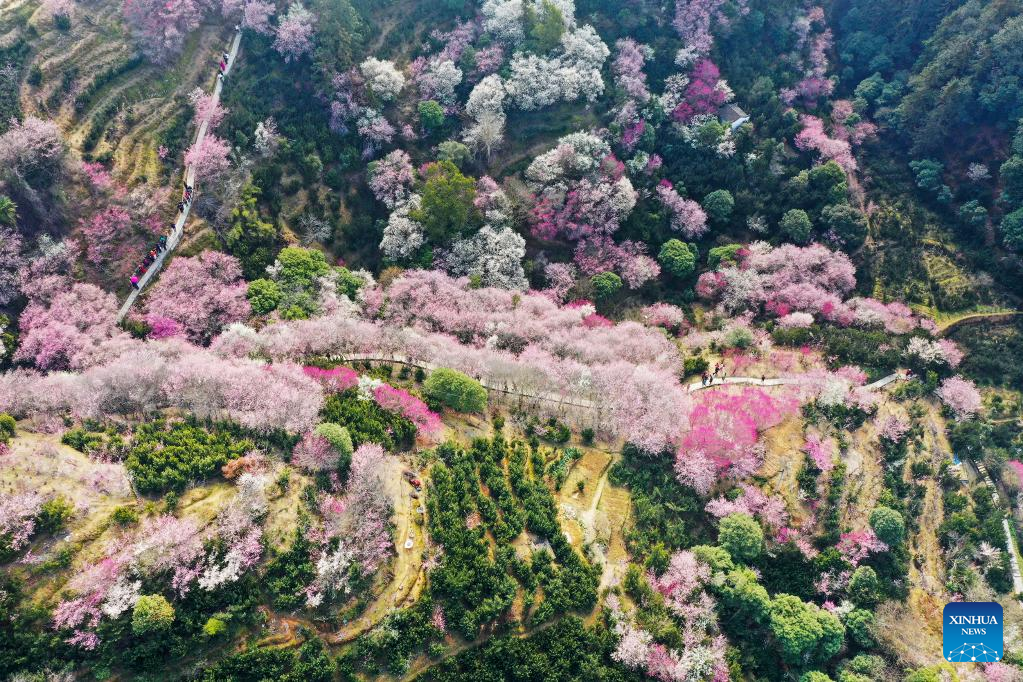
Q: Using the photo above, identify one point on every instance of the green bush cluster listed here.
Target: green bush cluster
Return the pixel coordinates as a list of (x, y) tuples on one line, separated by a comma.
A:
[(451, 388), (170, 456)]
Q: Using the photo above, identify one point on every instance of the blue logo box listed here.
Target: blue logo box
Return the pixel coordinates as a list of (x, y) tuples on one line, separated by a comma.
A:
[(972, 632)]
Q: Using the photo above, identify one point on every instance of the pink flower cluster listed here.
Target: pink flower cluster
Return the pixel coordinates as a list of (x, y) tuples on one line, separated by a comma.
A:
[(821, 451), (314, 453), (893, 429), (754, 502), (961, 397), (671, 317), (18, 512), (809, 279), (703, 94), (412, 408), (858, 545), (335, 379), (687, 216), (694, 18), (724, 427), (813, 138), (628, 69)]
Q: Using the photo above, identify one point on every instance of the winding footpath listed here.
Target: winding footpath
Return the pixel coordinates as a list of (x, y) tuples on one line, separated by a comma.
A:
[(511, 389), (179, 226)]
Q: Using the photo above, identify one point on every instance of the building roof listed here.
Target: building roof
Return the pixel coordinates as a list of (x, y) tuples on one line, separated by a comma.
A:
[(732, 113)]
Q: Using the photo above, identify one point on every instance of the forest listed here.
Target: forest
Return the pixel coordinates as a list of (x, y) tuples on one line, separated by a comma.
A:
[(528, 340)]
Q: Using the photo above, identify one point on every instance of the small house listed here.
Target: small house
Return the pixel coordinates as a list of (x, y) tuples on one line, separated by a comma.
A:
[(732, 116)]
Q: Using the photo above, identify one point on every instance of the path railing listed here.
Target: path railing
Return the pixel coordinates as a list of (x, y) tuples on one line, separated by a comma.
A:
[(179, 226)]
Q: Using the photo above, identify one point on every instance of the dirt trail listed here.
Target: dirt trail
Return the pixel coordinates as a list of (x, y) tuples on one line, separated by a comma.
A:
[(408, 577), (927, 569)]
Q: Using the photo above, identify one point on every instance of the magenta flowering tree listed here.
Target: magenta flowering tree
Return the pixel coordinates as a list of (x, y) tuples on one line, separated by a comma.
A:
[(98, 175), (412, 408), (961, 397), (295, 33), (336, 379), (209, 157), (724, 427), (703, 95), (203, 294), (858, 545), (821, 452)]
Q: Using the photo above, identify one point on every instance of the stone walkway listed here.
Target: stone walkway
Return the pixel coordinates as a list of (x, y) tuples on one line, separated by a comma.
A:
[(1010, 541), (179, 226)]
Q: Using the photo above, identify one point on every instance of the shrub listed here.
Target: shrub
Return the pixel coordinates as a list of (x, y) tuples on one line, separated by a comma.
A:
[(152, 614), (54, 514), (888, 525), (741, 536), (8, 428), (214, 627), (796, 225), (864, 588), (163, 458), (264, 296), (718, 205), (678, 258), (455, 390), (431, 115), (124, 516), (606, 285), (694, 364)]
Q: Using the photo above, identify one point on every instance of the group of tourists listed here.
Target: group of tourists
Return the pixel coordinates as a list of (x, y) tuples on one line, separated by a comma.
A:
[(708, 377), (161, 244), (148, 260), (186, 200), (224, 60)]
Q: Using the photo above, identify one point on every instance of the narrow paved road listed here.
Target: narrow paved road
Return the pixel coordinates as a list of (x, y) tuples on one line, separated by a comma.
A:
[(560, 399), (179, 226)]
